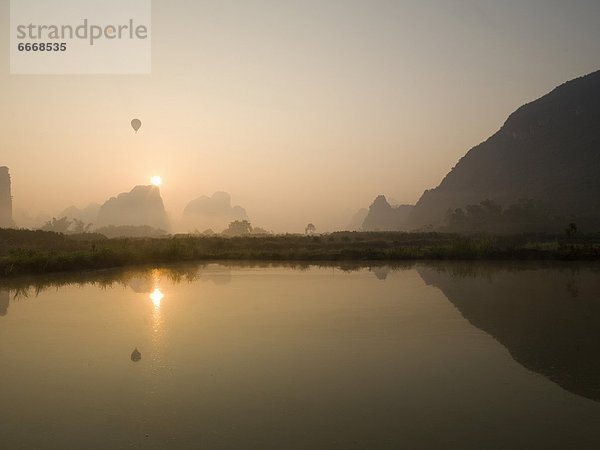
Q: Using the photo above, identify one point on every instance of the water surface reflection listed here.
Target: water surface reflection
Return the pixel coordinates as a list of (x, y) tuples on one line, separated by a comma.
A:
[(547, 317), (303, 356)]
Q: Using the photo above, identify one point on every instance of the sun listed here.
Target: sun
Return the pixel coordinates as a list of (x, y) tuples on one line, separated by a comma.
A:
[(156, 180)]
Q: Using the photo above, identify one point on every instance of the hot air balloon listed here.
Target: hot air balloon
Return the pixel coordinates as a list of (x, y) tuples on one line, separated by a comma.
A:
[(136, 124), (136, 355)]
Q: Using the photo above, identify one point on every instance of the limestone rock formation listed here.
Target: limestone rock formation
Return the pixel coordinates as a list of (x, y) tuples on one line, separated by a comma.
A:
[(384, 217), (6, 220), (357, 220), (142, 206), (548, 151), (89, 214), (214, 212)]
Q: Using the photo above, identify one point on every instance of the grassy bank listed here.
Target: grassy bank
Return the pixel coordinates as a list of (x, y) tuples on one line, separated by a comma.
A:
[(34, 252)]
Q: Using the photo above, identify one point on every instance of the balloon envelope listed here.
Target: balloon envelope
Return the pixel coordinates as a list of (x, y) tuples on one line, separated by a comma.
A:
[(136, 124)]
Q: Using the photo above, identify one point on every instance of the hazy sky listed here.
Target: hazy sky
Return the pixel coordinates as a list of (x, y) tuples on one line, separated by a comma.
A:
[(303, 110)]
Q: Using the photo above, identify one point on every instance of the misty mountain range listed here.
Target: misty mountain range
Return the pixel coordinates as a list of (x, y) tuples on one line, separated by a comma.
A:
[(143, 206), (541, 168), (539, 172), (213, 213)]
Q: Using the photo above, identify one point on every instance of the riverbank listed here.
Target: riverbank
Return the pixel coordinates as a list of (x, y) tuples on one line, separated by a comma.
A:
[(24, 252)]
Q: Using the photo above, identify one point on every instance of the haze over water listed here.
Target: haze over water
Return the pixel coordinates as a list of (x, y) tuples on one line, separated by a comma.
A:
[(448, 355)]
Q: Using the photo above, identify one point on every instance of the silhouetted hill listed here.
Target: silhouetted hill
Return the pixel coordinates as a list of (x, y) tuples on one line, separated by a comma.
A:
[(142, 206), (384, 217), (357, 220), (547, 151), (549, 320), (214, 212), (89, 214)]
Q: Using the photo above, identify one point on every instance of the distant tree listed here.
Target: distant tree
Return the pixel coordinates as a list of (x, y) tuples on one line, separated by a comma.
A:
[(310, 229), (257, 231), (79, 226), (491, 208), (57, 225), (571, 230), (456, 219), (238, 228), (528, 215), (477, 217)]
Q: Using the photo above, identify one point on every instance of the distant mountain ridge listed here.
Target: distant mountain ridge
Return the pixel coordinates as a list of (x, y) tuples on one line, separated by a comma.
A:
[(215, 212), (89, 214), (142, 206), (384, 217), (547, 151)]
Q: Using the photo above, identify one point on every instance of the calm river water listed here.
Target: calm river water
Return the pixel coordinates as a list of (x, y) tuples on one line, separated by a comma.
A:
[(423, 356)]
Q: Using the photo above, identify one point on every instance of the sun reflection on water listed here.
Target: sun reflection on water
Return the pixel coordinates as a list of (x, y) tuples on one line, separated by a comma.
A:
[(157, 296)]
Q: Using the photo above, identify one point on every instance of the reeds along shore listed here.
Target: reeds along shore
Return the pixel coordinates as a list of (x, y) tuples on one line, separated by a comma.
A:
[(24, 252)]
